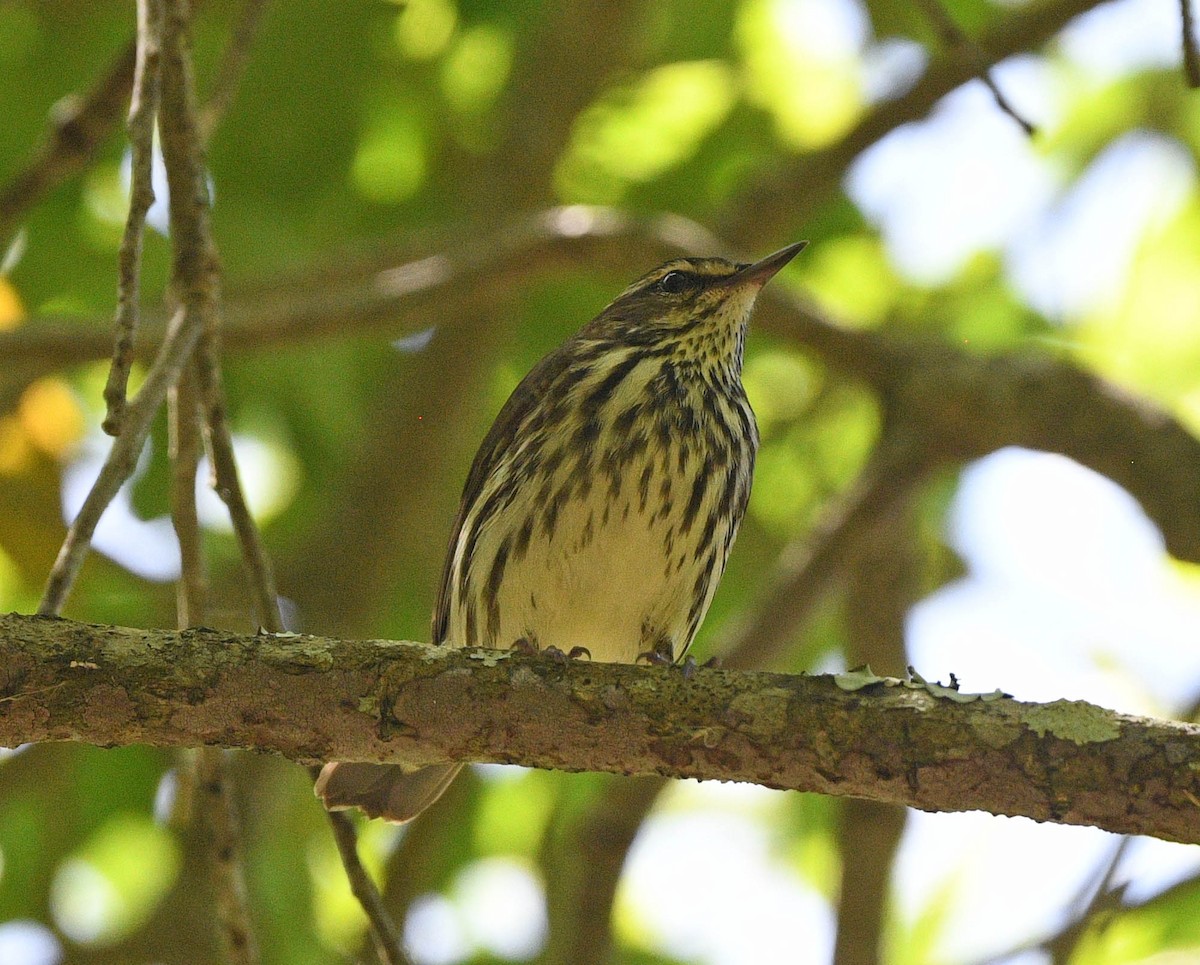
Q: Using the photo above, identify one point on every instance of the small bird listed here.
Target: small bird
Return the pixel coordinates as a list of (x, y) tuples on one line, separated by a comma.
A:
[(601, 506)]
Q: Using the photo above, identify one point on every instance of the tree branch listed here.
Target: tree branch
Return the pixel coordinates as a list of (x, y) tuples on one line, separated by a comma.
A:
[(233, 66), (383, 929), (964, 404), (956, 39), (770, 207), (143, 112), (881, 586), (312, 699), (1191, 56), (79, 125)]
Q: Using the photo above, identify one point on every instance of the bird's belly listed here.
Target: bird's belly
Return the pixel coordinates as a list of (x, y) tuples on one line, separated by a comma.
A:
[(595, 596), (615, 576)]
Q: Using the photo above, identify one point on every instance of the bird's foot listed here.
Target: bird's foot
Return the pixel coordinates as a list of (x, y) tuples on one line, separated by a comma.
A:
[(526, 646), (663, 655), (575, 653), (689, 665)]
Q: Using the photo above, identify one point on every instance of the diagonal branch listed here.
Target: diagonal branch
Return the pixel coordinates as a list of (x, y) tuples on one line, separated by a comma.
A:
[(121, 460), (767, 209), (362, 886), (966, 404), (79, 126), (233, 67), (954, 38), (313, 699)]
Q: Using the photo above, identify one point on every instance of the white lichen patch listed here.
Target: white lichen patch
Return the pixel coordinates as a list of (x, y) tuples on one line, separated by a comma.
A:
[(488, 658)]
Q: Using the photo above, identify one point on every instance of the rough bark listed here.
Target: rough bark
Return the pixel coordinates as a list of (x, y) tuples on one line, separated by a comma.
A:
[(312, 698)]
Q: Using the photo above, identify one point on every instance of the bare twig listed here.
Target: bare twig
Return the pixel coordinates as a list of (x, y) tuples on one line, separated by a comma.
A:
[(771, 207), (143, 109), (1096, 899), (185, 450), (1191, 56), (196, 279), (122, 459), (223, 835), (227, 483), (426, 853), (953, 36), (382, 928), (195, 283), (1105, 899), (218, 812), (79, 126), (183, 140), (233, 66)]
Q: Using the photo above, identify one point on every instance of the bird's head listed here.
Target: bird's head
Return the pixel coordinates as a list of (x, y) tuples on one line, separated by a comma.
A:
[(699, 306)]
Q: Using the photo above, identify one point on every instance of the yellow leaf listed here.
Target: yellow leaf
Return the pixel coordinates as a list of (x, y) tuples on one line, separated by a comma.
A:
[(11, 309), (15, 451), (49, 416)]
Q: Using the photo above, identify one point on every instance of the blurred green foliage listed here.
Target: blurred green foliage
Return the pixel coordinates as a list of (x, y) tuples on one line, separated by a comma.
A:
[(369, 126)]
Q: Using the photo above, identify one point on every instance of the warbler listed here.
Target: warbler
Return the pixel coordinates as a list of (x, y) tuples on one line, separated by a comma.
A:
[(602, 505)]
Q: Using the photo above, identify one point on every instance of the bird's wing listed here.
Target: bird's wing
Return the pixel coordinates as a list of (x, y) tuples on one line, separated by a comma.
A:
[(496, 444)]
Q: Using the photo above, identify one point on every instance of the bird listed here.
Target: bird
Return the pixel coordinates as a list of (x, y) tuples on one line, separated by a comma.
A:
[(601, 507)]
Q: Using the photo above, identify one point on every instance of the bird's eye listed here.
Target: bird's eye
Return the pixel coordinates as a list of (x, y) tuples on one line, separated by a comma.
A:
[(673, 282)]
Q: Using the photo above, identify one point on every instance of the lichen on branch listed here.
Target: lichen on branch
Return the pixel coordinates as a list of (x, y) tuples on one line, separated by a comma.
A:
[(312, 699)]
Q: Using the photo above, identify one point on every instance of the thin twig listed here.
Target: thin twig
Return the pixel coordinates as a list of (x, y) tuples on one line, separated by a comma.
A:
[(224, 840), (1105, 899), (218, 813), (954, 37), (185, 450), (233, 66), (195, 283), (1191, 56), (196, 280), (228, 485), (143, 109), (122, 459), (383, 929), (79, 126)]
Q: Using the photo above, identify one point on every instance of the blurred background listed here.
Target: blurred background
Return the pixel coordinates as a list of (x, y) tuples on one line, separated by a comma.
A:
[(413, 202)]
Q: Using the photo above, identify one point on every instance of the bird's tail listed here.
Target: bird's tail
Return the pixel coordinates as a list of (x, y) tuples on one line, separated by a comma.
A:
[(388, 791)]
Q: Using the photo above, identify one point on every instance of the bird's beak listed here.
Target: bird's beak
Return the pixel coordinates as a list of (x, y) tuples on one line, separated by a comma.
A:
[(763, 270)]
